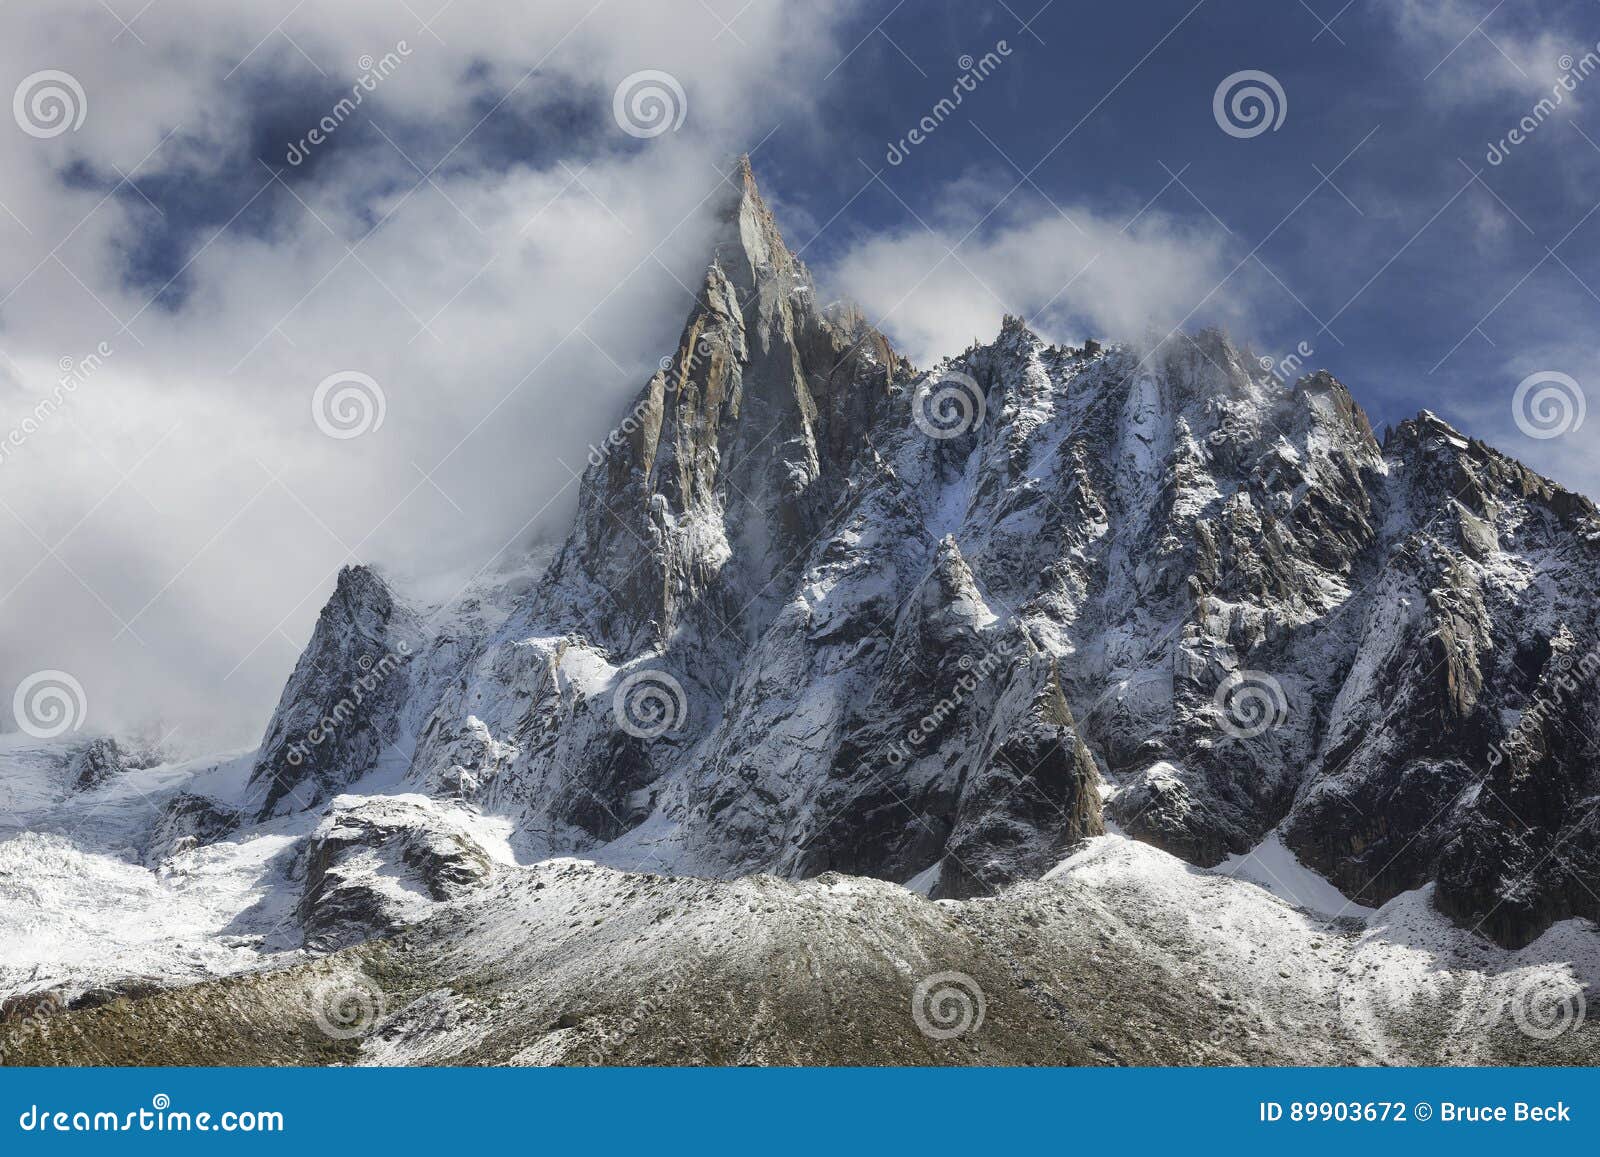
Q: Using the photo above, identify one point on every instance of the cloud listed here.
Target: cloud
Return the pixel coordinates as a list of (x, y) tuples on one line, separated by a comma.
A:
[(1471, 52), (1072, 271), (479, 237)]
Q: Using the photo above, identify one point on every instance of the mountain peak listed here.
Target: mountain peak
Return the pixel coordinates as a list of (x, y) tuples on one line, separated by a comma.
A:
[(849, 606), (748, 247), (739, 445)]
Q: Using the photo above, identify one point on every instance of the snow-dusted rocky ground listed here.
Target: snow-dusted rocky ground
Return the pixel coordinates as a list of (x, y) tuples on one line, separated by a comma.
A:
[(1122, 954), (1159, 699)]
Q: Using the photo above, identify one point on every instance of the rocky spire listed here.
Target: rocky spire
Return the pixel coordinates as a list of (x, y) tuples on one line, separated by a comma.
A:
[(733, 450), (339, 708), (921, 653)]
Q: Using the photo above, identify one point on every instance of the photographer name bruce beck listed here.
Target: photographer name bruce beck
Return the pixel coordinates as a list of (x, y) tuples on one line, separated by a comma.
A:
[(1443, 1112)]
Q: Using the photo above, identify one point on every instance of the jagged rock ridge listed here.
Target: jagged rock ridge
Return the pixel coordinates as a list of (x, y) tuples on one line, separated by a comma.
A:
[(818, 612)]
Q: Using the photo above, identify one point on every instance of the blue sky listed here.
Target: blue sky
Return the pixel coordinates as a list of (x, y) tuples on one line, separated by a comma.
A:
[(1417, 282), (485, 243)]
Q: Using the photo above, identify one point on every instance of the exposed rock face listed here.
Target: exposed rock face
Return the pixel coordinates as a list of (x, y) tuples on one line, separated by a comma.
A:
[(1458, 698), (819, 613), (374, 865), (189, 821), (1522, 850), (99, 761), (339, 712), (103, 759)]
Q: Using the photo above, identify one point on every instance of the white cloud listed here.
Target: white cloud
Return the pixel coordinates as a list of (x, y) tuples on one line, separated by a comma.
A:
[(1072, 271), (173, 530), (1472, 51)]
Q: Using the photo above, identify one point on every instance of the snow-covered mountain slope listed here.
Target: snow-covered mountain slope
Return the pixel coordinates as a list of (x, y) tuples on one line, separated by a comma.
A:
[(1123, 954), (820, 613)]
